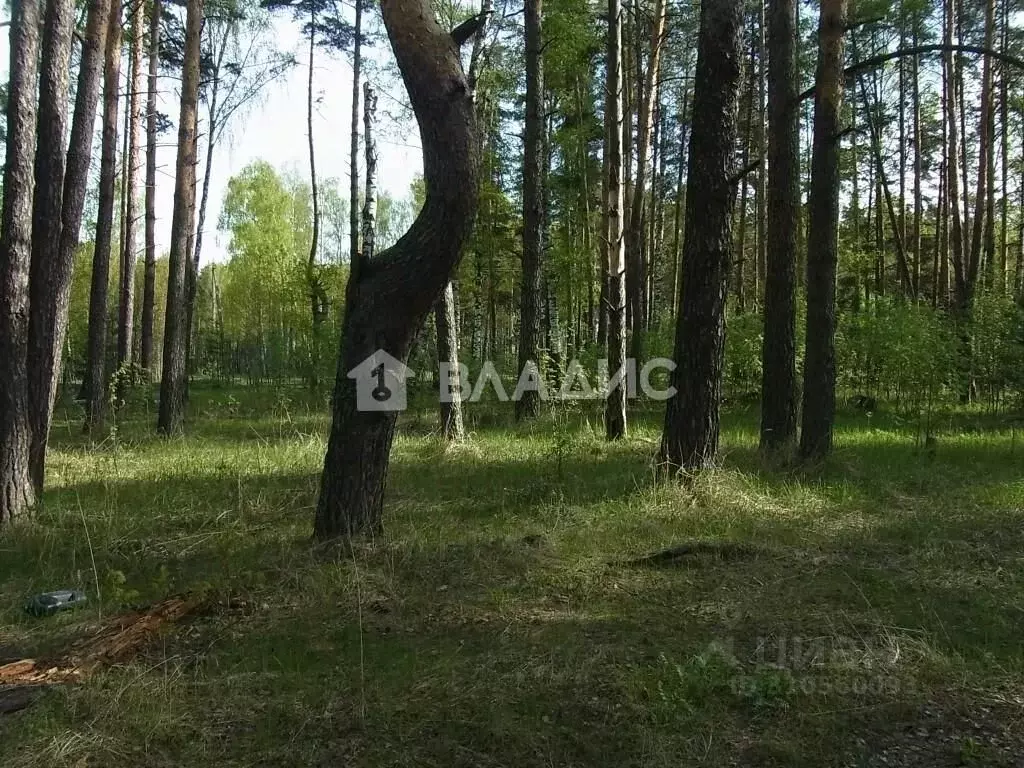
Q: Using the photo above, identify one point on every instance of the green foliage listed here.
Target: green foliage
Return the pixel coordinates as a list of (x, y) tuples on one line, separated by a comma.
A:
[(997, 346), (901, 351), (743, 340)]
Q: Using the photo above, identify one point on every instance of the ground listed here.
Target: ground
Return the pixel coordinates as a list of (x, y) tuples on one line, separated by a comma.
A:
[(868, 613)]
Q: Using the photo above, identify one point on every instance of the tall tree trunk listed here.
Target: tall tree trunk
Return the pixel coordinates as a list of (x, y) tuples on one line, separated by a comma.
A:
[(446, 326), (901, 223), (614, 208), (953, 161), (95, 384), (822, 237), (984, 156), (741, 235), (1018, 279), (677, 247), (50, 274), (195, 247), (897, 219), (760, 190), (445, 312), (990, 203), (940, 261), (369, 216), (129, 256), (174, 382), (149, 285), (690, 437), (318, 302), (395, 292), (964, 286), (353, 198), (778, 353), (528, 405), (918, 170), (1004, 123), (637, 256), (16, 494)]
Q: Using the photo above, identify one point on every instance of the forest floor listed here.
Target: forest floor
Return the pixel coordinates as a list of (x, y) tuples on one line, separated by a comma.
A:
[(867, 614)]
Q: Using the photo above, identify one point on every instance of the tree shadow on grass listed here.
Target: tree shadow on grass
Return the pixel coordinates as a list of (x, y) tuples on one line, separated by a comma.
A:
[(481, 628)]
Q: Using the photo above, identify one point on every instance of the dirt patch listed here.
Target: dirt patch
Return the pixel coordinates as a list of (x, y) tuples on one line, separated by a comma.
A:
[(941, 735)]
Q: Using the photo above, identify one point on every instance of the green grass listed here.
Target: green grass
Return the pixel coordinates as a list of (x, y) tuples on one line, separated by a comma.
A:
[(876, 620)]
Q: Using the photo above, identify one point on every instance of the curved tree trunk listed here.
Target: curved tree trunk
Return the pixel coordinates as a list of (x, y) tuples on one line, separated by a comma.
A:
[(174, 382), (16, 496), (50, 280), (690, 437), (778, 352), (149, 285), (95, 384), (819, 401), (394, 293), (528, 406)]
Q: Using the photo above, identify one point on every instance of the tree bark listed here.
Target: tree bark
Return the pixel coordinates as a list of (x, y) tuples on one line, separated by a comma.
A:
[(984, 159), (50, 274), (637, 256), (953, 160), (690, 437), (76, 180), (353, 202), (16, 494), (95, 384), (918, 171), (446, 312), (778, 352), (897, 219), (369, 216), (528, 406), (129, 256), (1004, 123), (741, 235), (318, 301), (677, 246), (395, 292), (822, 237), (149, 284), (962, 286), (174, 381), (614, 208), (446, 326), (760, 191)]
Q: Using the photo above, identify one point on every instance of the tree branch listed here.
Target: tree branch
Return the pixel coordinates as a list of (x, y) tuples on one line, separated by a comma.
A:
[(921, 50), (742, 173), (467, 29)]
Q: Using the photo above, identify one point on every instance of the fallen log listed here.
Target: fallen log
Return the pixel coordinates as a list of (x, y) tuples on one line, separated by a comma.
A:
[(118, 640)]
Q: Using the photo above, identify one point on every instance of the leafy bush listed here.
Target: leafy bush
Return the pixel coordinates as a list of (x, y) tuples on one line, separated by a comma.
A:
[(897, 350)]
